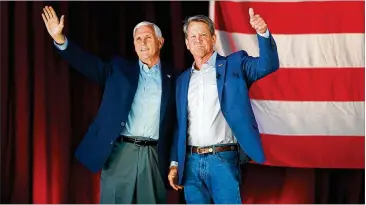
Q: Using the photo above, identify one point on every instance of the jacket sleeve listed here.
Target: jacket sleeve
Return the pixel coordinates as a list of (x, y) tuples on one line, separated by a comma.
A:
[(90, 66), (256, 68)]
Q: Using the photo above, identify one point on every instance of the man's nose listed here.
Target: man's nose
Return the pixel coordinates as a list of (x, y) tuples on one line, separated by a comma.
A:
[(198, 39)]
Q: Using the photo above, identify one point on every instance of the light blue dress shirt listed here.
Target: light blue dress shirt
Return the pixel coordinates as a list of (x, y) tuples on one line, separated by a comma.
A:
[(144, 117)]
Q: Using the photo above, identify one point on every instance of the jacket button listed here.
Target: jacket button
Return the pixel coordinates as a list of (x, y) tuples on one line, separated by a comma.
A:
[(123, 123)]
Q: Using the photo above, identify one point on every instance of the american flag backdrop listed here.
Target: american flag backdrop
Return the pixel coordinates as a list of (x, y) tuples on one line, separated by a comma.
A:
[(311, 111)]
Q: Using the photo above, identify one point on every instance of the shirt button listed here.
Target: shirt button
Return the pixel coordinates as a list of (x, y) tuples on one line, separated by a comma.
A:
[(123, 123), (112, 142)]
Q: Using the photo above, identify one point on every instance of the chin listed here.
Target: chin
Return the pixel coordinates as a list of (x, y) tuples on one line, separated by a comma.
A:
[(145, 57), (199, 54)]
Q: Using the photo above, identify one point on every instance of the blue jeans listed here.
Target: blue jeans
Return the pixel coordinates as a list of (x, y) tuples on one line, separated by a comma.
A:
[(212, 177)]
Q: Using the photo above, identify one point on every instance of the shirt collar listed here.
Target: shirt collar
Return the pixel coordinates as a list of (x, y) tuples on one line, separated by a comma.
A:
[(211, 61), (154, 69)]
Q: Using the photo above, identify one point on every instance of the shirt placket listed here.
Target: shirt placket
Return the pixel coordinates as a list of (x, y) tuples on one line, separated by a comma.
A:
[(201, 103), (145, 96)]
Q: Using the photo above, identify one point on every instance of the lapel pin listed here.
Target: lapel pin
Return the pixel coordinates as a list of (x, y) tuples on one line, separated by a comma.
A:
[(168, 76)]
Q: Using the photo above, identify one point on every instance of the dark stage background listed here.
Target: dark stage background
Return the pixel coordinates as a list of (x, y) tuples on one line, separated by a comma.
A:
[(46, 107)]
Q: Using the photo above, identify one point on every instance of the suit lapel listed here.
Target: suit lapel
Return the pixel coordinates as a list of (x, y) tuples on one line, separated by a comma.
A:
[(220, 74), (184, 93), (134, 76), (166, 86)]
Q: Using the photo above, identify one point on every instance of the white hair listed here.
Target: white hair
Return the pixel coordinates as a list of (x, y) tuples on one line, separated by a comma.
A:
[(146, 23)]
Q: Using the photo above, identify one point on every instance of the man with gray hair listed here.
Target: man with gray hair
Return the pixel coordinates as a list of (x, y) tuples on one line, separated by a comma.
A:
[(216, 125), (130, 138)]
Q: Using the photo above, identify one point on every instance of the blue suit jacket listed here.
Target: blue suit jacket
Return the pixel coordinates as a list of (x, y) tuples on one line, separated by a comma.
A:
[(235, 74), (119, 78)]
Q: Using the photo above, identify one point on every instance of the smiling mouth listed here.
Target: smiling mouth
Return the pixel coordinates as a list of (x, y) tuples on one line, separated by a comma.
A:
[(144, 49)]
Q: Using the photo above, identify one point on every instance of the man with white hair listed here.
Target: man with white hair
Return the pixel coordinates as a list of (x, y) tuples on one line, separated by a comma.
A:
[(130, 138)]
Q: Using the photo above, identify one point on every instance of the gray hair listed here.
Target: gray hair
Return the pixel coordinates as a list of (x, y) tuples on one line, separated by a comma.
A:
[(199, 18), (146, 23)]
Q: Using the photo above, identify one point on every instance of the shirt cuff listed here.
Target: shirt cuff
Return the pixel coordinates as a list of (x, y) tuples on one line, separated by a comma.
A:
[(265, 34), (61, 46), (173, 163)]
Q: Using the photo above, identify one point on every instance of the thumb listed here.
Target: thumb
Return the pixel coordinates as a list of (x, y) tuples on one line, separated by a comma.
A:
[(62, 21), (251, 12)]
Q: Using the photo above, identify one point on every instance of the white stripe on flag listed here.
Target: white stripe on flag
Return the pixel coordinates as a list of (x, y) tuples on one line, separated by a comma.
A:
[(302, 51), (310, 118)]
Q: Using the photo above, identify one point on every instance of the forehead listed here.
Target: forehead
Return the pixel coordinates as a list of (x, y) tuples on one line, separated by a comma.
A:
[(198, 26), (143, 30)]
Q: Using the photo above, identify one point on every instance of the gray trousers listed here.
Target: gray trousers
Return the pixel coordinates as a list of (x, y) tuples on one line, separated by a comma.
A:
[(131, 175)]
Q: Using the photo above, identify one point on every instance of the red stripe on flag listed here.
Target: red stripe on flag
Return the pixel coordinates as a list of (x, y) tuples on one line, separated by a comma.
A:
[(315, 151), (311, 84), (293, 17)]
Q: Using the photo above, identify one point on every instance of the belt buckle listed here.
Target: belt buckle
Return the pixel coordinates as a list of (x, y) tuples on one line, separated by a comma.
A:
[(209, 150)]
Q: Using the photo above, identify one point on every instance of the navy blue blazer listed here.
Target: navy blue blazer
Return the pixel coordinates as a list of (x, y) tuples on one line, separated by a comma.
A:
[(119, 79), (235, 75)]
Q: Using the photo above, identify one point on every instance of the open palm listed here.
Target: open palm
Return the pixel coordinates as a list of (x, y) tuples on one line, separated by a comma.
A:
[(53, 25)]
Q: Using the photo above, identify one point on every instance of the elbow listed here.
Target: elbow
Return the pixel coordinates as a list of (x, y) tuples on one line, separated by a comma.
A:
[(272, 66)]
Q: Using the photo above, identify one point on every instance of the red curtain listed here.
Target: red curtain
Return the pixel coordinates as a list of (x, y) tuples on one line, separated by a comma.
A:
[(46, 107)]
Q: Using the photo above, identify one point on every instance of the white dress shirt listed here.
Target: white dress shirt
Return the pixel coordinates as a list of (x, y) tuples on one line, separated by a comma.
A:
[(206, 123)]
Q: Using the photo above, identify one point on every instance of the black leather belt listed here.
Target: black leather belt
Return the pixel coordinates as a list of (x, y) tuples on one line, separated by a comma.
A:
[(139, 142)]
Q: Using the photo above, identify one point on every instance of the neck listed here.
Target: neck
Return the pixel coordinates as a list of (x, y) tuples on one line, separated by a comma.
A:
[(150, 62), (199, 61)]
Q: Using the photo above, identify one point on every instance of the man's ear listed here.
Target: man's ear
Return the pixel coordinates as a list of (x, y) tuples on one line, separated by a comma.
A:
[(187, 44), (161, 42), (214, 39)]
